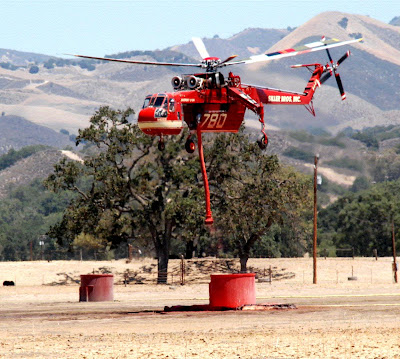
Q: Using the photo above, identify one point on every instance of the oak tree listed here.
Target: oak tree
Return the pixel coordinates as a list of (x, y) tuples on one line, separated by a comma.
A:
[(252, 191), (127, 188)]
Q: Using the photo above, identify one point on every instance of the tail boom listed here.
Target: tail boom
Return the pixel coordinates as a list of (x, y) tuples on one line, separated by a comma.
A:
[(272, 96)]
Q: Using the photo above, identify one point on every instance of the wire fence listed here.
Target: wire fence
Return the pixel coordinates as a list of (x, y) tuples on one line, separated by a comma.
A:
[(331, 271), (292, 270)]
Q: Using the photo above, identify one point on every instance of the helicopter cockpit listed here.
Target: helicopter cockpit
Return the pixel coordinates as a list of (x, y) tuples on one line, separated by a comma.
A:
[(162, 104)]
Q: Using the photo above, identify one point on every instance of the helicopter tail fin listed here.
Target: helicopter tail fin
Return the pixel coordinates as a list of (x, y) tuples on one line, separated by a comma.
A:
[(314, 81)]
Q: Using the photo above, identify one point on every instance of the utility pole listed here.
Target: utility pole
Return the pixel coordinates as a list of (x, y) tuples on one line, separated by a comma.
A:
[(394, 253), (316, 157)]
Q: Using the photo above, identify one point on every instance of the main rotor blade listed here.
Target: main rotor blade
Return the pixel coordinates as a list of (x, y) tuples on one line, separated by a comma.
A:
[(228, 59), (201, 48), (135, 62), (311, 47), (340, 85)]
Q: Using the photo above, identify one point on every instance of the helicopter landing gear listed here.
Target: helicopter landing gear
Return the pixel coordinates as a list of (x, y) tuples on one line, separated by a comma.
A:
[(190, 146), (263, 141), (161, 144)]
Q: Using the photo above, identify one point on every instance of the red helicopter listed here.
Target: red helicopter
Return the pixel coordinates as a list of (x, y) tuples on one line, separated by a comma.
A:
[(210, 102)]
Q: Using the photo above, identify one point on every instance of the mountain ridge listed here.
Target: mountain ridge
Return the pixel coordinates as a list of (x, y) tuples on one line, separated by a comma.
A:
[(66, 96)]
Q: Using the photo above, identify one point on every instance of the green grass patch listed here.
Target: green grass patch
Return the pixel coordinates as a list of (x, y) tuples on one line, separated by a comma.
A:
[(346, 162), (299, 154), (302, 136)]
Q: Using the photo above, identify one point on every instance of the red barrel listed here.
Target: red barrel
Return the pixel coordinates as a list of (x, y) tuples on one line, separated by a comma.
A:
[(96, 288), (232, 290)]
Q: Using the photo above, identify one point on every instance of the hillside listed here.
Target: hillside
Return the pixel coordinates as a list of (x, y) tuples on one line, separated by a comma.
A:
[(370, 75), (16, 132), (395, 21), (66, 92), (251, 41), (20, 58), (65, 96), (37, 166)]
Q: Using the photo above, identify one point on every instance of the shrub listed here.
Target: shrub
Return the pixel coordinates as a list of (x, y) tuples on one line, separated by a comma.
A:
[(302, 136), (34, 69), (333, 141), (347, 162), (343, 23), (299, 154)]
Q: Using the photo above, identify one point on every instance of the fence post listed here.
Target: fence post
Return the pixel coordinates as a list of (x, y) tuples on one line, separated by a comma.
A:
[(182, 270), (270, 275), (130, 250), (375, 251), (126, 277), (394, 253)]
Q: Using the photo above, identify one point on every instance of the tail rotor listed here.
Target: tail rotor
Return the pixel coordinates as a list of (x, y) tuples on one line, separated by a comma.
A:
[(344, 57), (331, 69)]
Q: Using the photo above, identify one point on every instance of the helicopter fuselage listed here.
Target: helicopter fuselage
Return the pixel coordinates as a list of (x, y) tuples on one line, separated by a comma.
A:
[(208, 102), (199, 100)]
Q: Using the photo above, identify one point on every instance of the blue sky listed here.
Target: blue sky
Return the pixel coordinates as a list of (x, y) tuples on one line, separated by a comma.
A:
[(99, 27)]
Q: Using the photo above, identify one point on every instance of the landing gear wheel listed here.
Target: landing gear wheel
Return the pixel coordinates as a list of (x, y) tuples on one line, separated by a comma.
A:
[(190, 146), (161, 146), (262, 142)]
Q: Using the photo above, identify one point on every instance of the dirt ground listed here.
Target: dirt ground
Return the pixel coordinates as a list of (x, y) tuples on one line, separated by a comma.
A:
[(41, 316)]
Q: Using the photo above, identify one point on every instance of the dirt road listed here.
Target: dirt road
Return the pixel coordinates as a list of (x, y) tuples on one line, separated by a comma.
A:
[(42, 322), (333, 319)]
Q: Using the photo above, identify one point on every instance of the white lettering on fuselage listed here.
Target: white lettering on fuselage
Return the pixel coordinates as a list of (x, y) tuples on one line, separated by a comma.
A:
[(284, 99), (184, 100)]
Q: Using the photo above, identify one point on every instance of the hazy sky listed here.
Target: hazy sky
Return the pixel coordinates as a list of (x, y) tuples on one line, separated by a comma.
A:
[(99, 27)]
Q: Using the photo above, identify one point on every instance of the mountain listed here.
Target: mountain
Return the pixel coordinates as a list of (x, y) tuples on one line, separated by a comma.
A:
[(37, 166), (370, 76), (395, 21), (19, 58), (64, 93), (16, 132), (249, 42)]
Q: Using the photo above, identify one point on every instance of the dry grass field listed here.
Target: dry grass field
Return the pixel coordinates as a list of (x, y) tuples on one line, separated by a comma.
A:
[(41, 316)]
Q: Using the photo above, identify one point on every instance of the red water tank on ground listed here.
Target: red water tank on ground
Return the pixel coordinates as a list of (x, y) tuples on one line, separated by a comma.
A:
[(232, 290), (96, 288)]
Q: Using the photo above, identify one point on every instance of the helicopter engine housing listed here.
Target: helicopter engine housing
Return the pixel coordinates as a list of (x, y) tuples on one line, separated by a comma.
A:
[(177, 82), (194, 82)]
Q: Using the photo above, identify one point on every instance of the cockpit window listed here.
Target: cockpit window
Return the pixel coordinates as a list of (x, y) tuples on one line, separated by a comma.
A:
[(146, 102), (159, 101)]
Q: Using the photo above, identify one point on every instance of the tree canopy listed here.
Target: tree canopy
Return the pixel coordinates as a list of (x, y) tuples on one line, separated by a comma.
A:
[(363, 220), (252, 191), (127, 189), (26, 215)]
